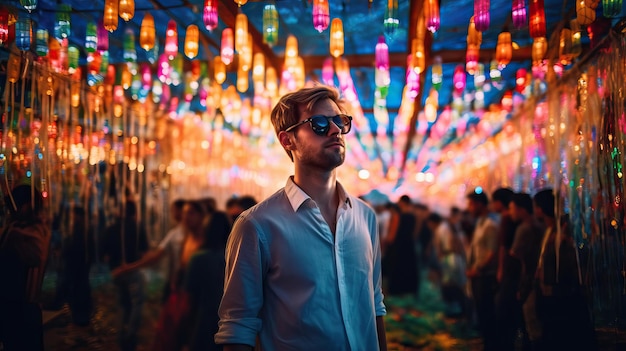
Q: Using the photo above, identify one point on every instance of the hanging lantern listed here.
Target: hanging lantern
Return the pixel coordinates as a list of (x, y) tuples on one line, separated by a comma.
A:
[(227, 51), (62, 23), (291, 51), (245, 56), (191, 41), (519, 14), (270, 25), (242, 80), (479, 76), (130, 53), (328, 71), (75, 88), (41, 44), (103, 37), (209, 16), (471, 59), (241, 31), (94, 62), (321, 15), (565, 45), (520, 80), (110, 15), (171, 40), (504, 49), (336, 37), (29, 4), (540, 47), (537, 21), (23, 32), (258, 68), (13, 67), (63, 55), (147, 33), (437, 73), (241, 2), (585, 14), (219, 70), (126, 9), (153, 54), (459, 78), (419, 58), (298, 73), (4, 26), (431, 12), (576, 37), (91, 37), (54, 50), (73, 54), (474, 37), (382, 53), (494, 72), (104, 62), (481, 15), (611, 8), (391, 20), (271, 80)]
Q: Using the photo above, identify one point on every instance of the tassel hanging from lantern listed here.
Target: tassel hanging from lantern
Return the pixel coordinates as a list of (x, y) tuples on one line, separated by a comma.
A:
[(147, 33), (227, 51), (336, 37), (191, 41), (241, 31), (391, 20), (518, 13), (130, 53), (504, 49), (585, 14), (4, 26), (126, 9), (110, 14), (91, 37), (611, 8), (23, 32), (481, 15), (209, 16), (103, 37), (41, 44), (62, 23), (431, 12), (270, 25), (171, 40), (219, 70), (321, 15), (537, 21)]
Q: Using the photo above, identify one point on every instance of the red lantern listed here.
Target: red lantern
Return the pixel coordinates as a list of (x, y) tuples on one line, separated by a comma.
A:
[(537, 21)]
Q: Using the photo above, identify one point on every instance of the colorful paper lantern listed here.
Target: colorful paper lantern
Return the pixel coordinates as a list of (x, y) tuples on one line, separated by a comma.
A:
[(126, 9), (419, 57), (518, 13), (241, 31), (73, 54), (130, 53), (271, 81), (391, 20), (171, 39), (245, 55), (147, 33), (62, 24), (585, 14), (611, 8), (270, 25), (321, 15), (576, 38), (258, 69), (23, 32), (539, 49), (471, 58), (242, 80), (481, 15), (29, 5), (209, 15), (431, 12), (91, 37), (103, 37), (382, 53), (474, 37), (437, 73), (41, 44), (219, 70), (227, 50), (110, 15), (328, 71), (4, 26), (191, 41), (504, 49), (459, 79), (537, 21), (336, 37)]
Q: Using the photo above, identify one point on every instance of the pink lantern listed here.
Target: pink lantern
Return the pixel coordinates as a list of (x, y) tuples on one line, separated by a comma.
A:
[(228, 42), (103, 37), (328, 72), (171, 39), (382, 53), (163, 68), (321, 15), (459, 78), (146, 76), (519, 14), (210, 14), (481, 15), (4, 26), (431, 12)]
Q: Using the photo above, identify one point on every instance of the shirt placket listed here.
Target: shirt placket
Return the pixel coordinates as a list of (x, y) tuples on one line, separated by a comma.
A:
[(344, 294)]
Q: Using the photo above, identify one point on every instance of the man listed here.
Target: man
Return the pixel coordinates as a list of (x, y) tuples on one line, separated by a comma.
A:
[(303, 267), (482, 266)]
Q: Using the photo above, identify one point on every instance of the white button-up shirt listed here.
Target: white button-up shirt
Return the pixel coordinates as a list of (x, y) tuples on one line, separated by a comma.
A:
[(293, 284)]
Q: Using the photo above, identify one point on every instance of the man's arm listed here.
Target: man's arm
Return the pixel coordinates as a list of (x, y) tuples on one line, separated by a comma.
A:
[(146, 260), (382, 335), (237, 347)]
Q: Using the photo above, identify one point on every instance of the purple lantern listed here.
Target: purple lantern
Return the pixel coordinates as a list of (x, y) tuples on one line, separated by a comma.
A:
[(481, 15), (519, 14)]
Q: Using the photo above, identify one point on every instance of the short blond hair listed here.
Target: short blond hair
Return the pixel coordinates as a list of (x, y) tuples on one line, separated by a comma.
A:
[(287, 111)]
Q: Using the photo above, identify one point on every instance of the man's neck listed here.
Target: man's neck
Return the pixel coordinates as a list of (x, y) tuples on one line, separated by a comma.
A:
[(320, 186)]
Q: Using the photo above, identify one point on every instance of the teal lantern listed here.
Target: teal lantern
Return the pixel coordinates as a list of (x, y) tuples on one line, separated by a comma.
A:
[(130, 54), (62, 24), (41, 44)]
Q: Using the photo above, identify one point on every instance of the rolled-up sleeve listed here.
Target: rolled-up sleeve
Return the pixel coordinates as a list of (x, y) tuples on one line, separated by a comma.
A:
[(243, 286)]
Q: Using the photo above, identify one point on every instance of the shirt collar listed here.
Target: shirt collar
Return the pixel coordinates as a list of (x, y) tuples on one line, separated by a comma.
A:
[(297, 196)]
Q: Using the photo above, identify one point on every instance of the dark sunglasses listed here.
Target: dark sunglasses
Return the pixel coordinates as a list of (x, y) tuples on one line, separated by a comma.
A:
[(321, 124)]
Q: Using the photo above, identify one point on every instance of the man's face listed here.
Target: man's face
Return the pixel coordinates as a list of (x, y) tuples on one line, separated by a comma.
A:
[(325, 152)]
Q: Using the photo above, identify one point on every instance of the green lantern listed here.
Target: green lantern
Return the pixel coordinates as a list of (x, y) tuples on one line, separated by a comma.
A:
[(270, 25)]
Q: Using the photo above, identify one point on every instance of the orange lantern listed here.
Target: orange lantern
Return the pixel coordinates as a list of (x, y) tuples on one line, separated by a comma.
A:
[(258, 68), (191, 41), (540, 47), (474, 37), (219, 70), (126, 9), (419, 58), (241, 31), (504, 49), (227, 51), (147, 33), (110, 15), (242, 80), (336, 37)]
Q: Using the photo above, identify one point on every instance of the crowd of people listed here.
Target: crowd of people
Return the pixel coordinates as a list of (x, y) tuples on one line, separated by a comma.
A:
[(307, 267)]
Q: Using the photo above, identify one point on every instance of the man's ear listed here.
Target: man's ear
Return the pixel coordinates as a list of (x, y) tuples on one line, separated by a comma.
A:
[(285, 140)]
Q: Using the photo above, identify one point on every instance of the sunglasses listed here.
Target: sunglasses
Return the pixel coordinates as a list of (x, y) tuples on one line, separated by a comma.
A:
[(321, 124)]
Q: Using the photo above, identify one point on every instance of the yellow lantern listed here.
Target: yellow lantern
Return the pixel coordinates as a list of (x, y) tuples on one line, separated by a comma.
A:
[(109, 20), (245, 56), (219, 69), (127, 9), (258, 70), (241, 2), (540, 47), (291, 51), (504, 49), (191, 41), (241, 31), (242, 80), (336, 37), (147, 33), (271, 80)]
